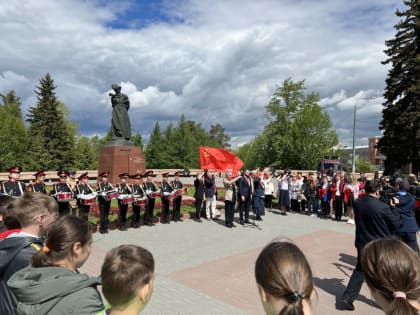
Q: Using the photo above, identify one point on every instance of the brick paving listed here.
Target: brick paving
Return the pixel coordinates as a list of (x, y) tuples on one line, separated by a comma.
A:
[(206, 268)]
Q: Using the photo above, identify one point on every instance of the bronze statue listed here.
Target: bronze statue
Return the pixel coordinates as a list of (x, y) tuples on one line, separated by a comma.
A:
[(120, 123)]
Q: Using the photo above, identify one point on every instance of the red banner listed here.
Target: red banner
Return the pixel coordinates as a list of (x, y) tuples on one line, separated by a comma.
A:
[(219, 160)]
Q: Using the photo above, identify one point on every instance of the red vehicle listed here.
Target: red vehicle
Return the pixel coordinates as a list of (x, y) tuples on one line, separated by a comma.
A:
[(330, 166)]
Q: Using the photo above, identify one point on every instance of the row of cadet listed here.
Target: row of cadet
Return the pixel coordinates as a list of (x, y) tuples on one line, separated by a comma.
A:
[(33, 271), (77, 196)]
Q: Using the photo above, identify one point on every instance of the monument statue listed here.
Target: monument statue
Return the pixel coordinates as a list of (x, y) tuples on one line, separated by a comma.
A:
[(120, 123)]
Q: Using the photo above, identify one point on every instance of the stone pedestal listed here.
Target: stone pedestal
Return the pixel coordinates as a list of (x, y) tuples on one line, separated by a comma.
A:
[(121, 159)]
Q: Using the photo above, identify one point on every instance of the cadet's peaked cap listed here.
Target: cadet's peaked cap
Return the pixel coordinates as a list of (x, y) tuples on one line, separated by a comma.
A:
[(104, 174), (63, 173), (137, 176), (83, 175), (39, 173), (177, 173), (123, 175), (165, 174), (148, 173), (15, 169)]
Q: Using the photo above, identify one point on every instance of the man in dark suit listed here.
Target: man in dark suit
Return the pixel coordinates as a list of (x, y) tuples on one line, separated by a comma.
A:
[(374, 219), (245, 191)]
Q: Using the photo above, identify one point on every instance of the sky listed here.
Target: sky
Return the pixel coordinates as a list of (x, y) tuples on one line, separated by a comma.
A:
[(216, 61)]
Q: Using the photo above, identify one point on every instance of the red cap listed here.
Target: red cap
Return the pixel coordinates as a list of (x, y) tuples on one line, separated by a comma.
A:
[(165, 174), (15, 169), (149, 173), (83, 175), (39, 173), (137, 176), (104, 174), (123, 175), (62, 173)]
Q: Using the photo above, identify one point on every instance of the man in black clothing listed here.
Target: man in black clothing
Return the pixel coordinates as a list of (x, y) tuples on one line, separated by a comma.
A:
[(374, 219)]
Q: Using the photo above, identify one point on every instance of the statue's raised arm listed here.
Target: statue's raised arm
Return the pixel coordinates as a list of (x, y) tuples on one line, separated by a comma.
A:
[(120, 123)]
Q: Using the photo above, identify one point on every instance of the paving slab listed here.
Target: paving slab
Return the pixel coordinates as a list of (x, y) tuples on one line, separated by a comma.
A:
[(206, 268)]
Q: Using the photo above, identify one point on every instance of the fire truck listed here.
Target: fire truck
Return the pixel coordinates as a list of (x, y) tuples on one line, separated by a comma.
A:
[(330, 165)]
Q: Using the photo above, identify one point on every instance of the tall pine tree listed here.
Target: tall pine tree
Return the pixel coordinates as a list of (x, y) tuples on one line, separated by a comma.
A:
[(13, 135), (401, 110), (51, 143)]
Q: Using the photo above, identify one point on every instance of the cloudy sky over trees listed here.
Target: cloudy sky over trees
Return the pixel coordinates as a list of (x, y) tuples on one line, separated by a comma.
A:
[(214, 61)]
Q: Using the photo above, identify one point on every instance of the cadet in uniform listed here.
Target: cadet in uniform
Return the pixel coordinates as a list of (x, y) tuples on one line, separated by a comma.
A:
[(104, 204), (149, 187), (165, 189), (138, 193), (71, 180), (177, 184), (38, 184), (13, 187), (123, 189), (82, 189), (62, 187)]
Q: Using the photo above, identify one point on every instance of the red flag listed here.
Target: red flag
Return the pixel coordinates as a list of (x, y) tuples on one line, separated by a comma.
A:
[(219, 160)]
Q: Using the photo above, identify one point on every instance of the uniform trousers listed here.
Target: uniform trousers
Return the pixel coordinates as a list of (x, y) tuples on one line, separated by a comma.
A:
[(150, 208), (177, 207), (123, 214), (104, 207), (229, 211)]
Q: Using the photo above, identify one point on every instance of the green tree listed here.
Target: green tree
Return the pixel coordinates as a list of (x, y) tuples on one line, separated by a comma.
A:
[(54, 147), (363, 166), (85, 157), (298, 134), (401, 110), (218, 136), (137, 140), (13, 135), (154, 149)]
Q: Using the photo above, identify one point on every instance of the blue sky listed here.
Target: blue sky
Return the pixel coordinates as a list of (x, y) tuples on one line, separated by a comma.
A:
[(214, 61)]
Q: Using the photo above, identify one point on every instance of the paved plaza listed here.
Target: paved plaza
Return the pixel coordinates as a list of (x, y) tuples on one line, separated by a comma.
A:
[(207, 269)]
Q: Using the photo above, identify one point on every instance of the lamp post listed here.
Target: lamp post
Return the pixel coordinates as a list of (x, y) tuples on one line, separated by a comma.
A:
[(353, 160)]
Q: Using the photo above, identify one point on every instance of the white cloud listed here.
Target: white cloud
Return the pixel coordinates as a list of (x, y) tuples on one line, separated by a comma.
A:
[(220, 65)]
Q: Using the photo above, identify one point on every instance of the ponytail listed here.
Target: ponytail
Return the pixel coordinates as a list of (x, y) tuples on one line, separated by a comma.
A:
[(61, 236), (400, 306), (294, 304)]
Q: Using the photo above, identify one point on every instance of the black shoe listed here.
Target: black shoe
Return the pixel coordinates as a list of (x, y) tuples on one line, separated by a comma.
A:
[(247, 221), (150, 224), (241, 222), (123, 228), (102, 231), (347, 305), (180, 219), (258, 218)]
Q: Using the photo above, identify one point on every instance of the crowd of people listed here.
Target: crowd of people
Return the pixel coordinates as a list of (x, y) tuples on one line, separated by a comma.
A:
[(44, 246), (76, 196)]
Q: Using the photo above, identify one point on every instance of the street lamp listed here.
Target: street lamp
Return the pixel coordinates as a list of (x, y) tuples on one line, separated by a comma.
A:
[(353, 160)]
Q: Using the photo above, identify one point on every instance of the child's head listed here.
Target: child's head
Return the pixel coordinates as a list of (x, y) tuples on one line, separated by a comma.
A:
[(284, 278), (392, 273), (68, 244), (127, 277)]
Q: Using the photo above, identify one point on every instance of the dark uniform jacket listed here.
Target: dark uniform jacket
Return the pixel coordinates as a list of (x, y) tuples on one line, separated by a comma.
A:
[(199, 189), (13, 189), (15, 254), (36, 186), (374, 219), (103, 188)]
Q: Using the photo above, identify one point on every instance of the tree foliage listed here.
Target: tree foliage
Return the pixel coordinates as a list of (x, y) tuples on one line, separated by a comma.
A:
[(55, 143), (401, 110), (13, 136), (298, 134)]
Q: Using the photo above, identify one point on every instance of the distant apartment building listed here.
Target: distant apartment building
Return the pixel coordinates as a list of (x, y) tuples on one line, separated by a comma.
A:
[(368, 152)]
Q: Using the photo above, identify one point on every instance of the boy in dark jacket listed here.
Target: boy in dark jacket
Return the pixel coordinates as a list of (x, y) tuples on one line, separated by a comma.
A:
[(34, 212)]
